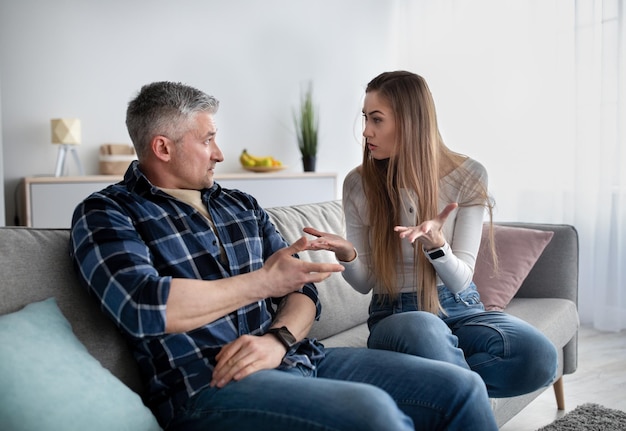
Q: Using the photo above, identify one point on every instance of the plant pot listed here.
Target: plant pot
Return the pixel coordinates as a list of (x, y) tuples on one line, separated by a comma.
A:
[(308, 163)]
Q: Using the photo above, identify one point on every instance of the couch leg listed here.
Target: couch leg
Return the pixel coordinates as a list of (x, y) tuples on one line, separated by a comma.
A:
[(558, 393)]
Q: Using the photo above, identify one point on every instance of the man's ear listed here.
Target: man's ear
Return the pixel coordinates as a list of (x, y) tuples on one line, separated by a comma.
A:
[(161, 147)]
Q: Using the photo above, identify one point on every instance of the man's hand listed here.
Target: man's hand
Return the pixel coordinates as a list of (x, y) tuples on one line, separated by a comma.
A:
[(191, 304), (285, 274), (429, 233), (246, 355)]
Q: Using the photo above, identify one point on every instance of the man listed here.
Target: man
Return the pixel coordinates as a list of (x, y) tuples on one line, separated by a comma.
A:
[(217, 306)]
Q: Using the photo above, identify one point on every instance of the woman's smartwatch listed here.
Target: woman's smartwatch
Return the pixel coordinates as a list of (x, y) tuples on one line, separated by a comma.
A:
[(436, 253)]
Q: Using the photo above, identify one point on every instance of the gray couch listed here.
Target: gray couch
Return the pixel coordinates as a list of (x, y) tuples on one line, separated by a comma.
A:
[(34, 265)]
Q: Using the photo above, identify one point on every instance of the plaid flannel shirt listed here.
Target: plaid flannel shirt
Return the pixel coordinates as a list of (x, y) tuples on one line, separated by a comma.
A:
[(129, 240)]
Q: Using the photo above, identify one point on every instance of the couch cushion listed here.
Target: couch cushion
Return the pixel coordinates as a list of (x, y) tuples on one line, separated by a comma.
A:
[(35, 258), (48, 380), (353, 337), (556, 318), (518, 249), (342, 306)]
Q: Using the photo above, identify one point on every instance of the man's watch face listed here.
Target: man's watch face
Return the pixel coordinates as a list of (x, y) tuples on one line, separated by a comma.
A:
[(287, 336), (284, 336)]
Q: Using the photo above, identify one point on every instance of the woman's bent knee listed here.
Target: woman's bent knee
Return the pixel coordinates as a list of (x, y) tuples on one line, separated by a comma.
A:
[(418, 324), (417, 333)]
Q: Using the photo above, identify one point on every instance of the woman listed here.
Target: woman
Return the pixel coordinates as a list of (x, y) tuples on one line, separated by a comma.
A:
[(414, 213)]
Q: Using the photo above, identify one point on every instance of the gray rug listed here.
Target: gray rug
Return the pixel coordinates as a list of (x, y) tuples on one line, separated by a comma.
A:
[(589, 417)]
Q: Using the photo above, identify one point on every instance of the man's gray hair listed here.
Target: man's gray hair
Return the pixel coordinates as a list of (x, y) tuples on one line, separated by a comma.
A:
[(164, 108)]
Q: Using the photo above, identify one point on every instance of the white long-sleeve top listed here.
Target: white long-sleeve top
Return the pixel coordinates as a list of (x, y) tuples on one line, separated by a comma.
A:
[(462, 231)]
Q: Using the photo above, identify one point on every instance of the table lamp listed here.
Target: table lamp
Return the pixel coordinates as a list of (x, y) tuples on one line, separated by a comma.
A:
[(66, 133)]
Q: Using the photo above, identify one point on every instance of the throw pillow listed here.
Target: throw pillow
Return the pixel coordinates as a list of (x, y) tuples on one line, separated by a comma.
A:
[(518, 249), (49, 381)]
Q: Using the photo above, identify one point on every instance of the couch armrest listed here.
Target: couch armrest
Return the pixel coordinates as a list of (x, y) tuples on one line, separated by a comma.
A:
[(555, 274)]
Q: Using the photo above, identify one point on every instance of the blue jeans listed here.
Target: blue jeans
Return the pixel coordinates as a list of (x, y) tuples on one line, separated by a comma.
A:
[(511, 356), (350, 389)]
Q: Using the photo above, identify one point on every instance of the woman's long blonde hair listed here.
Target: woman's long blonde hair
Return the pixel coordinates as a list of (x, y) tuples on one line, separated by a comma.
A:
[(419, 161)]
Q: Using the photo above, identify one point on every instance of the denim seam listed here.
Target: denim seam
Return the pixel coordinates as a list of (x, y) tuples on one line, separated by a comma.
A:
[(506, 348)]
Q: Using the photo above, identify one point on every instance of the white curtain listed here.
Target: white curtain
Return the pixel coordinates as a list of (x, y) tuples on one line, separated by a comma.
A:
[(600, 185)]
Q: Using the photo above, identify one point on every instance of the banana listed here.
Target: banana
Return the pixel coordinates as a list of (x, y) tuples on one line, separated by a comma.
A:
[(249, 160), (257, 159), (265, 162), (246, 159)]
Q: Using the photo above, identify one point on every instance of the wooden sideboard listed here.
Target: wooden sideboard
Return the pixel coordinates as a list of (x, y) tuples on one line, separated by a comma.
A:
[(48, 202)]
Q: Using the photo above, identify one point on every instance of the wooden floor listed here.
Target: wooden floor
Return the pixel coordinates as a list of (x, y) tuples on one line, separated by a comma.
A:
[(600, 378)]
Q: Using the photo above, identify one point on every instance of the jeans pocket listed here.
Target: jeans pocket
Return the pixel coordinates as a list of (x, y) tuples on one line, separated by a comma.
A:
[(377, 316), (379, 309), (460, 304)]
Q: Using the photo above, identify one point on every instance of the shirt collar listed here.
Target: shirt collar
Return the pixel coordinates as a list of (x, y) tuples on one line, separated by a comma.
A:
[(137, 182)]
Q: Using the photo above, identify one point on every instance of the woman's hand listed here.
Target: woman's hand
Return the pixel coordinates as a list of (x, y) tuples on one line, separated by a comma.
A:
[(429, 233), (343, 249)]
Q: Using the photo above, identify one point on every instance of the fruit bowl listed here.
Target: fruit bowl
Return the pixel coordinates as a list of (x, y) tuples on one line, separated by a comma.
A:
[(264, 168)]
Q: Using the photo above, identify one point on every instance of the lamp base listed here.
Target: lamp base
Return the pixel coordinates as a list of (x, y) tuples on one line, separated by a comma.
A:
[(62, 156)]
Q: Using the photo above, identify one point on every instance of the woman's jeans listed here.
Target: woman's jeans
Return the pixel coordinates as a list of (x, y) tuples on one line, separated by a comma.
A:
[(510, 355), (350, 389)]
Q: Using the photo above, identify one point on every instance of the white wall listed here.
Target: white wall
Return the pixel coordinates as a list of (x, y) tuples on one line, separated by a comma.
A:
[(87, 59), (501, 74)]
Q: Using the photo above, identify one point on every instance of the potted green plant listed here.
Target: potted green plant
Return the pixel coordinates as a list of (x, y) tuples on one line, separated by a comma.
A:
[(306, 122)]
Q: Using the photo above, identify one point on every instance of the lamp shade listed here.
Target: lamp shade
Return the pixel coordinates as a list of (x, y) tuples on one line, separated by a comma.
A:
[(65, 131)]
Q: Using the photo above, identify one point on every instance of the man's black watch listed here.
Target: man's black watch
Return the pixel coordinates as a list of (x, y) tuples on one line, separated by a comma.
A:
[(284, 336)]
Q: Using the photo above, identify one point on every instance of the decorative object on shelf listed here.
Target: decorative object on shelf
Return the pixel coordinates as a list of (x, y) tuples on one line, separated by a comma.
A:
[(264, 168), (260, 164), (115, 158), (306, 122), (66, 133)]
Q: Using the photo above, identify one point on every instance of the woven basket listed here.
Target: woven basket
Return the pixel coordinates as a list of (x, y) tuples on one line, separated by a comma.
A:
[(115, 158)]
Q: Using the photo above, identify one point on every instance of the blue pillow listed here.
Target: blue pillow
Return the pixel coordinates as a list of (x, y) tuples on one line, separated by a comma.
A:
[(49, 381)]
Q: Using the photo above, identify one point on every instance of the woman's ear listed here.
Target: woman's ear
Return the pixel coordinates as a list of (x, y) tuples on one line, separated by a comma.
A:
[(161, 147)]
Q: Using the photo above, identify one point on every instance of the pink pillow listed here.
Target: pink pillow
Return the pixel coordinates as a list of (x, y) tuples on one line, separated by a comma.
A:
[(518, 249)]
